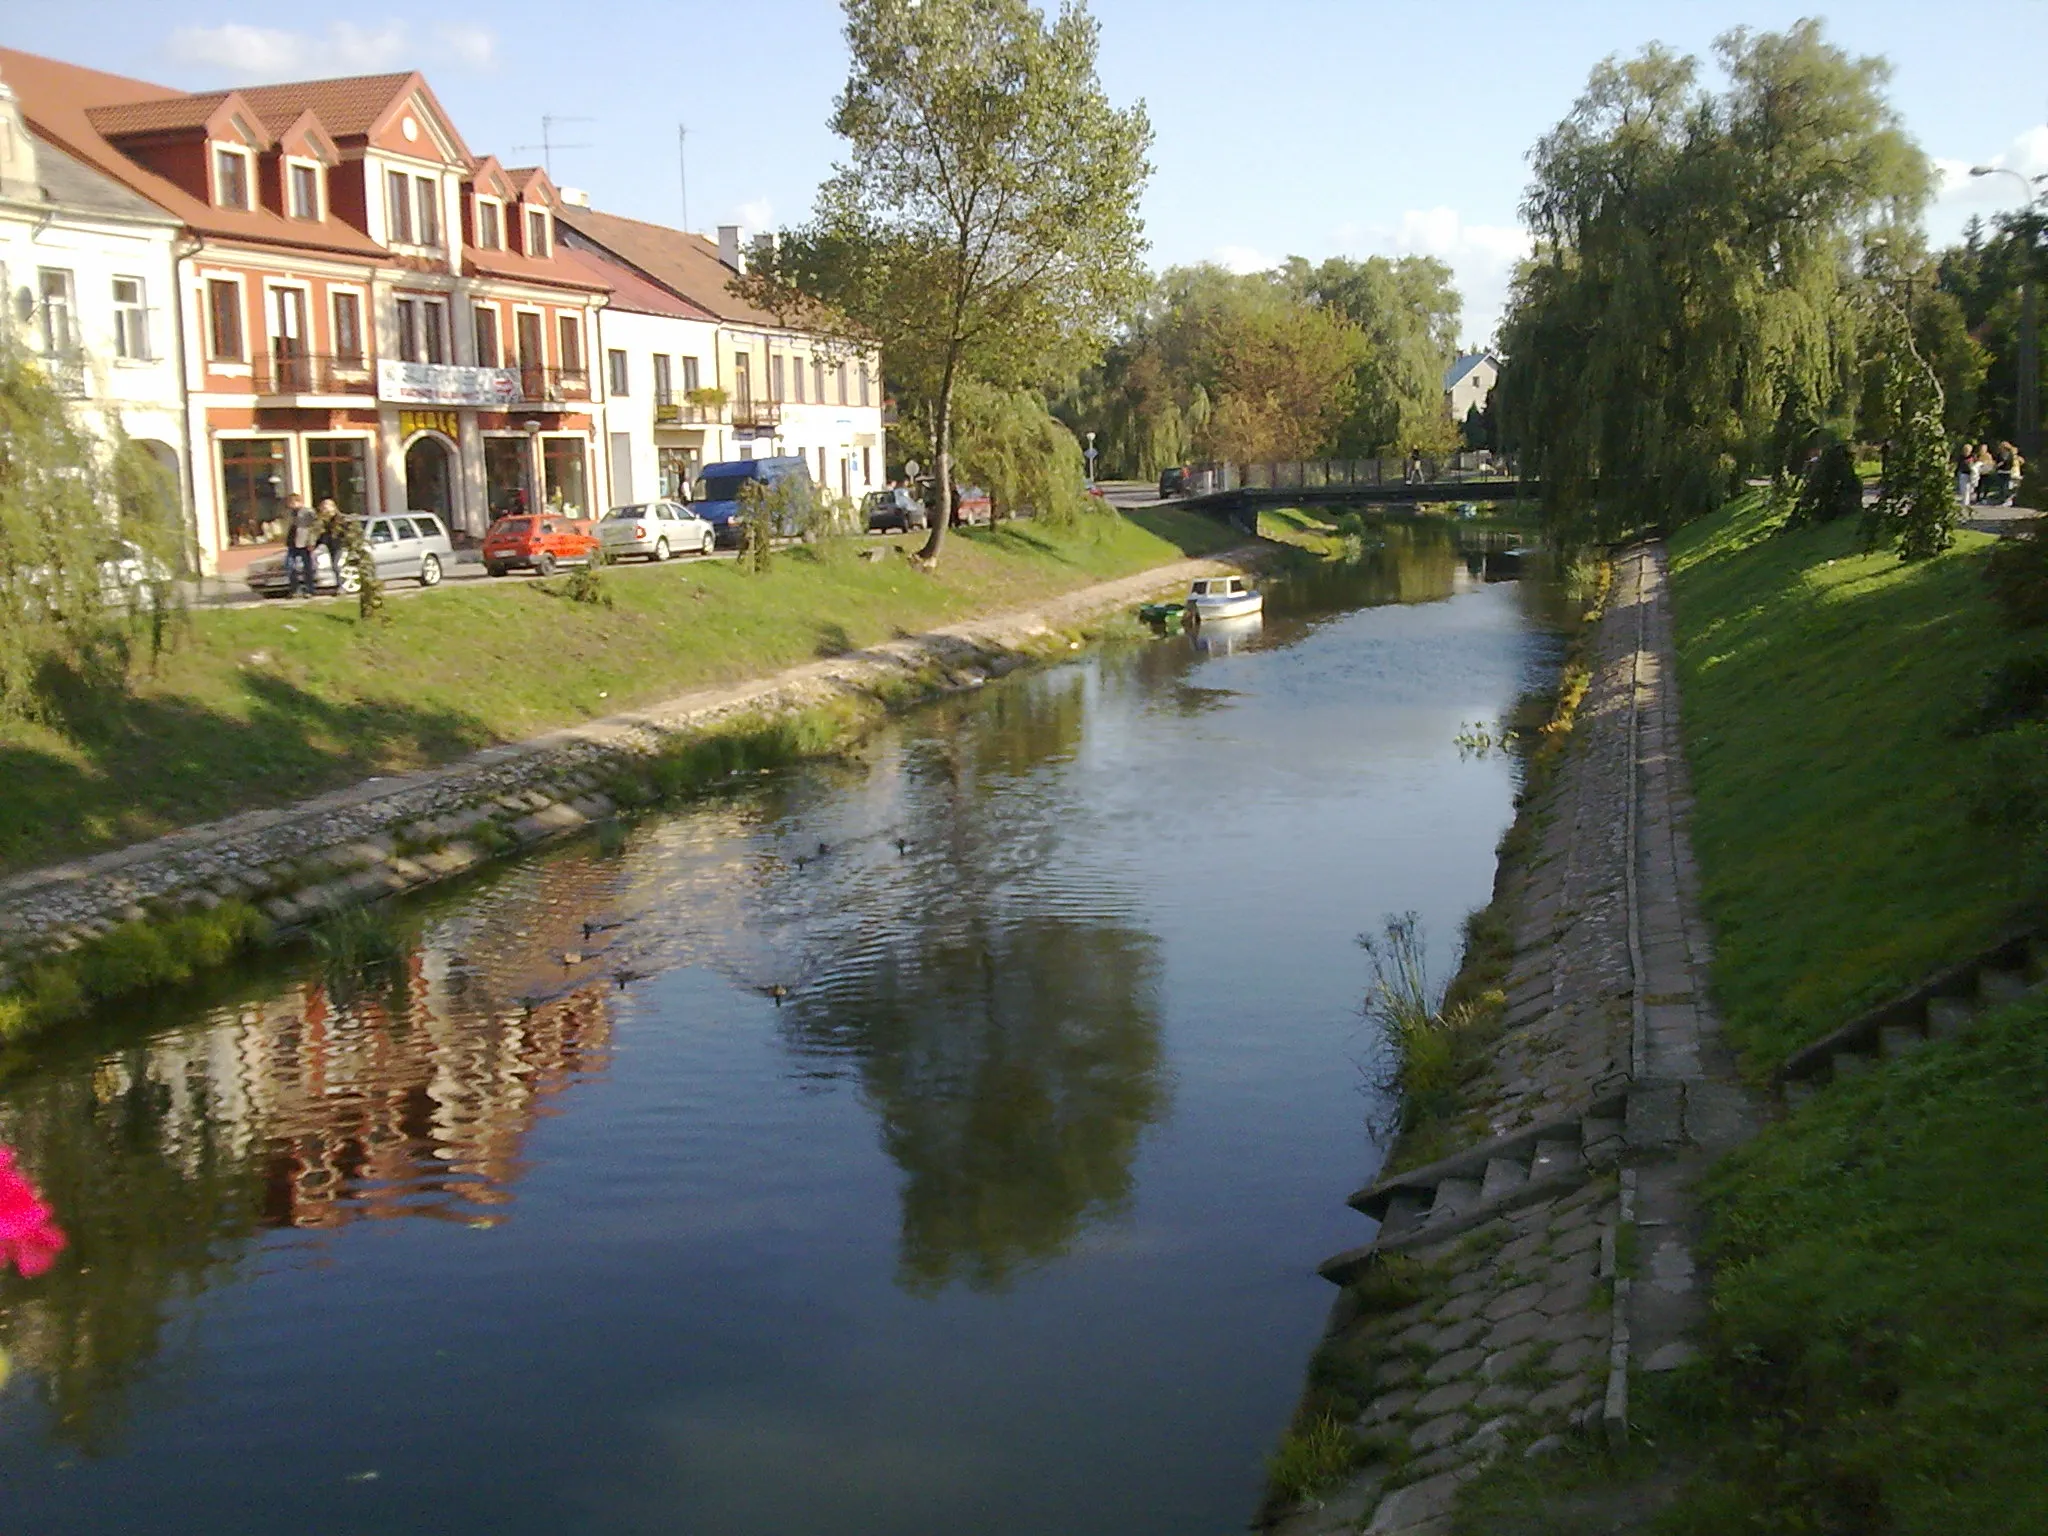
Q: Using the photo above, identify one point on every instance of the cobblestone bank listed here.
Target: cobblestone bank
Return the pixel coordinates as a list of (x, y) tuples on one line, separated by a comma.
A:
[(396, 834), (1511, 1287)]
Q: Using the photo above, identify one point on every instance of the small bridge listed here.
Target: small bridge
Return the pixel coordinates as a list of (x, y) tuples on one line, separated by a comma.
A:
[(1464, 477)]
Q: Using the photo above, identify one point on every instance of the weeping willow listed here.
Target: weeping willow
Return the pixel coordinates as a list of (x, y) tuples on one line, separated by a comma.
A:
[(1691, 315), (1010, 443), (70, 496)]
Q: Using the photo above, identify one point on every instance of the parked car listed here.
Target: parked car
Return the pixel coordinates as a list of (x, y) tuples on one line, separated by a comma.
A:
[(717, 500), (410, 546), (976, 506), (894, 510), (537, 542), (1173, 482), (654, 530)]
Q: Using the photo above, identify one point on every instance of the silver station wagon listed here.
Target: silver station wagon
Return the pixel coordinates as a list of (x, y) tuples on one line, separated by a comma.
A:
[(655, 530), (404, 546)]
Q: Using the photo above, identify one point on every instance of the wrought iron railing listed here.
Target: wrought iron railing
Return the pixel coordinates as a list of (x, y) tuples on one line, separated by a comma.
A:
[(756, 413), (67, 373), (313, 373), (680, 413)]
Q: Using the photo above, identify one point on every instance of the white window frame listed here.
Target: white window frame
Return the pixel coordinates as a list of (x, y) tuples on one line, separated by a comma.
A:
[(618, 372), (72, 341), (226, 365), (213, 166), (300, 163), (476, 208), (569, 317), (426, 192), (546, 340), (131, 339), (396, 207), (479, 310), (364, 326), (547, 231)]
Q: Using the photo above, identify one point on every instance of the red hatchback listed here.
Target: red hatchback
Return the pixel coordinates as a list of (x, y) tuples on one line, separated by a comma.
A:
[(537, 543)]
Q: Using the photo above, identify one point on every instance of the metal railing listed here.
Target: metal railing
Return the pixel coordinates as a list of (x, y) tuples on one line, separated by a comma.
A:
[(547, 386), (67, 373), (680, 413), (1348, 474), (756, 413), (313, 373)]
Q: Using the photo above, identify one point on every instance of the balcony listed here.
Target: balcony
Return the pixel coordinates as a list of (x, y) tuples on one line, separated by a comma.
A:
[(552, 386), (680, 413), (310, 373), (756, 413), (66, 371)]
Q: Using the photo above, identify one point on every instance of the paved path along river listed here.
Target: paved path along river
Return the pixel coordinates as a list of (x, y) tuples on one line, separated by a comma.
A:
[(942, 1140)]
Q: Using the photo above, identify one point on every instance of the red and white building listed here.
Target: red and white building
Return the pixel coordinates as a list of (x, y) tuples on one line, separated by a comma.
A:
[(367, 310)]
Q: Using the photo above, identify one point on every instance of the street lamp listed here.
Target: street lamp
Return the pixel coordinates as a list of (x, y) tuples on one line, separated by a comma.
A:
[(2027, 390), (1091, 459)]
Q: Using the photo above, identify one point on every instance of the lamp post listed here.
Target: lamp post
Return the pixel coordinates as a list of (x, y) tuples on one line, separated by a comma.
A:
[(2027, 387), (1091, 460)]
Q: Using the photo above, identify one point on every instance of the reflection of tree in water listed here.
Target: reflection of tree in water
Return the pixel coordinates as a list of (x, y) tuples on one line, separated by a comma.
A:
[(157, 1194), (1013, 1067)]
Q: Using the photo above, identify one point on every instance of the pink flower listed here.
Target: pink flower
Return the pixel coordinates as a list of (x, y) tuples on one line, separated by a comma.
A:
[(28, 1234)]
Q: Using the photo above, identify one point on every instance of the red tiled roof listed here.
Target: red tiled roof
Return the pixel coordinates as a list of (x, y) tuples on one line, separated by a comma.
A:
[(163, 116), (630, 291), (510, 264), (58, 99), (349, 107), (683, 263)]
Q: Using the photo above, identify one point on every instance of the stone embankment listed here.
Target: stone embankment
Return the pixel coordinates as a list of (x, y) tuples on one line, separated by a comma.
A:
[(1512, 1288), (390, 835)]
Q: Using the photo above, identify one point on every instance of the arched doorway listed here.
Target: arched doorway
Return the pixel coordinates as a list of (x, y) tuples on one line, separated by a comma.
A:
[(430, 478)]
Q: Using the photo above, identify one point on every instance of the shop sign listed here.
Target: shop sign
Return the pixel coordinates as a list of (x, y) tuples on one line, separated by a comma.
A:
[(446, 384), (447, 423)]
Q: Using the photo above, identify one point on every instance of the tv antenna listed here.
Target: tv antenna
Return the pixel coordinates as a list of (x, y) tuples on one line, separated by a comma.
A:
[(547, 145), (683, 169)]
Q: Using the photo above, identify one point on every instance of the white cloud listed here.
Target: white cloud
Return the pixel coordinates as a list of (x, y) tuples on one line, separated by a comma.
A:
[(1242, 259), (471, 46), (345, 48), (2027, 154), (755, 217)]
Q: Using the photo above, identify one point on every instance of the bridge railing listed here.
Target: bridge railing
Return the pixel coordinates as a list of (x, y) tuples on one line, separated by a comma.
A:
[(1339, 474)]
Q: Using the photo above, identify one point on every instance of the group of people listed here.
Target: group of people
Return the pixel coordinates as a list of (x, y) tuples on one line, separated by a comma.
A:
[(305, 530), (1987, 476)]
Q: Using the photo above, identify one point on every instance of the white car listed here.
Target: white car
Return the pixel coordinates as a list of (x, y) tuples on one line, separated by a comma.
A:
[(654, 530), (410, 546)]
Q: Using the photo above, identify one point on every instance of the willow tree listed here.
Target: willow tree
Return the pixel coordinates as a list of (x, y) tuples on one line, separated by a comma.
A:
[(1695, 269), (983, 223)]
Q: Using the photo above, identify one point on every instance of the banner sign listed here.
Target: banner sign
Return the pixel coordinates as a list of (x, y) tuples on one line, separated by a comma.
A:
[(446, 384)]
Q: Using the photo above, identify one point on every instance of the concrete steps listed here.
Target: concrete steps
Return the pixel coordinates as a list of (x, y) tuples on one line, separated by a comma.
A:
[(1940, 1009), (1426, 1205)]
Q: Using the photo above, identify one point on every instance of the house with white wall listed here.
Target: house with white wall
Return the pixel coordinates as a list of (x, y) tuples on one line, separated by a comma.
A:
[(1468, 384), (87, 272)]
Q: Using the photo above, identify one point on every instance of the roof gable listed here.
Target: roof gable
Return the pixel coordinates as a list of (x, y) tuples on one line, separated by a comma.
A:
[(223, 115), (487, 178)]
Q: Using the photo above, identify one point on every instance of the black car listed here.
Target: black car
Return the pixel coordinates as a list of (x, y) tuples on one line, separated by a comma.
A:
[(1174, 481), (893, 511)]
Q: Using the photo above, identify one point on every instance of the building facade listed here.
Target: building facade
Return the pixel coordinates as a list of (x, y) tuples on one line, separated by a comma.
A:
[(87, 275), (1468, 384), (763, 389), (369, 312)]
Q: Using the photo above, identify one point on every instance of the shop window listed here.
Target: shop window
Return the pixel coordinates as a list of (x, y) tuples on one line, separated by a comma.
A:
[(252, 476), (338, 468), (562, 476), (507, 468)]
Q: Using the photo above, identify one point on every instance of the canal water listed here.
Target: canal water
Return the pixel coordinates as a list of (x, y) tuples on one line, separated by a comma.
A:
[(942, 1140)]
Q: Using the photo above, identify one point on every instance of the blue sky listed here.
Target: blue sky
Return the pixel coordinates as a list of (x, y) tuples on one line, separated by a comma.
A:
[(1308, 127)]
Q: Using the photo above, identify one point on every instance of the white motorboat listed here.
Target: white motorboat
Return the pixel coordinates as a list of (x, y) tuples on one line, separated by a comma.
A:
[(1222, 597)]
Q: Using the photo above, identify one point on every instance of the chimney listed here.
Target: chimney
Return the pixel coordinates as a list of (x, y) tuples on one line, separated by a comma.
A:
[(573, 197), (729, 246), (764, 251)]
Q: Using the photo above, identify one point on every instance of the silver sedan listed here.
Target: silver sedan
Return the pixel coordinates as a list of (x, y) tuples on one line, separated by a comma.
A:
[(654, 530)]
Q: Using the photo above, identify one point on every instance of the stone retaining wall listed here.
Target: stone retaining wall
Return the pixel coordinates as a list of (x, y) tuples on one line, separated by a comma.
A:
[(391, 835)]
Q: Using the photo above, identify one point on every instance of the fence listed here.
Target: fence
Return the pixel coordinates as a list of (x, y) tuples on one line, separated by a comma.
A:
[(1350, 474)]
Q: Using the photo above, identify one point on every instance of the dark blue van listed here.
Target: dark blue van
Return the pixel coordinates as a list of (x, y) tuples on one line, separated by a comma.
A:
[(718, 489)]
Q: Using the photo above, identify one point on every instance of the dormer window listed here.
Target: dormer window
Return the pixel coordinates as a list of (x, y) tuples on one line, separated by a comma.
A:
[(231, 177), (488, 217), (537, 233), (303, 182)]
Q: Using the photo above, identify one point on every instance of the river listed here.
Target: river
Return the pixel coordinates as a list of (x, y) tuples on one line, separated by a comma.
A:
[(938, 1140)]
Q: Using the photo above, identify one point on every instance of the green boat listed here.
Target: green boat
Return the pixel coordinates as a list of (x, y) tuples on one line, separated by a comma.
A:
[(1162, 616)]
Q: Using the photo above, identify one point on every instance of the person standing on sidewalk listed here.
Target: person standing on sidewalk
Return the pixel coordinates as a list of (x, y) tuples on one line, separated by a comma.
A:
[(301, 528), (333, 537)]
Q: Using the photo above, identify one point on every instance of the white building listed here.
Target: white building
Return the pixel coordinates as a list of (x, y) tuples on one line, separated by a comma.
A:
[(785, 391), (88, 276), (1468, 384)]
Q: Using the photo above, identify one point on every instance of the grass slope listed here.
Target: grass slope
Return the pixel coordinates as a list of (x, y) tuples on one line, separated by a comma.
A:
[(258, 706), (1822, 689)]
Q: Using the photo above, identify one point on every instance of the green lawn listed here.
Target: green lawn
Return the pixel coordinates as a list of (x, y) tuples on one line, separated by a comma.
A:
[(1822, 690), (258, 706)]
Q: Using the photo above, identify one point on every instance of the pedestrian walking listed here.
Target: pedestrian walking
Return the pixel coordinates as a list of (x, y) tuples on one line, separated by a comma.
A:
[(1962, 464), (333, 537), (301, 529), (1414, 475)]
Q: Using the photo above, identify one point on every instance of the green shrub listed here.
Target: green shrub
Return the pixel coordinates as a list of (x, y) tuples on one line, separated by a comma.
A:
[(1312, 1458), (1829, 489), (2017, 573), (133, 958)]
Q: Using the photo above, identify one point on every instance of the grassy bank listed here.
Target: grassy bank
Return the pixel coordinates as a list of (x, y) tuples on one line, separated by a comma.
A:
[(1825, 693), (260, 706), (1875, 1359)]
